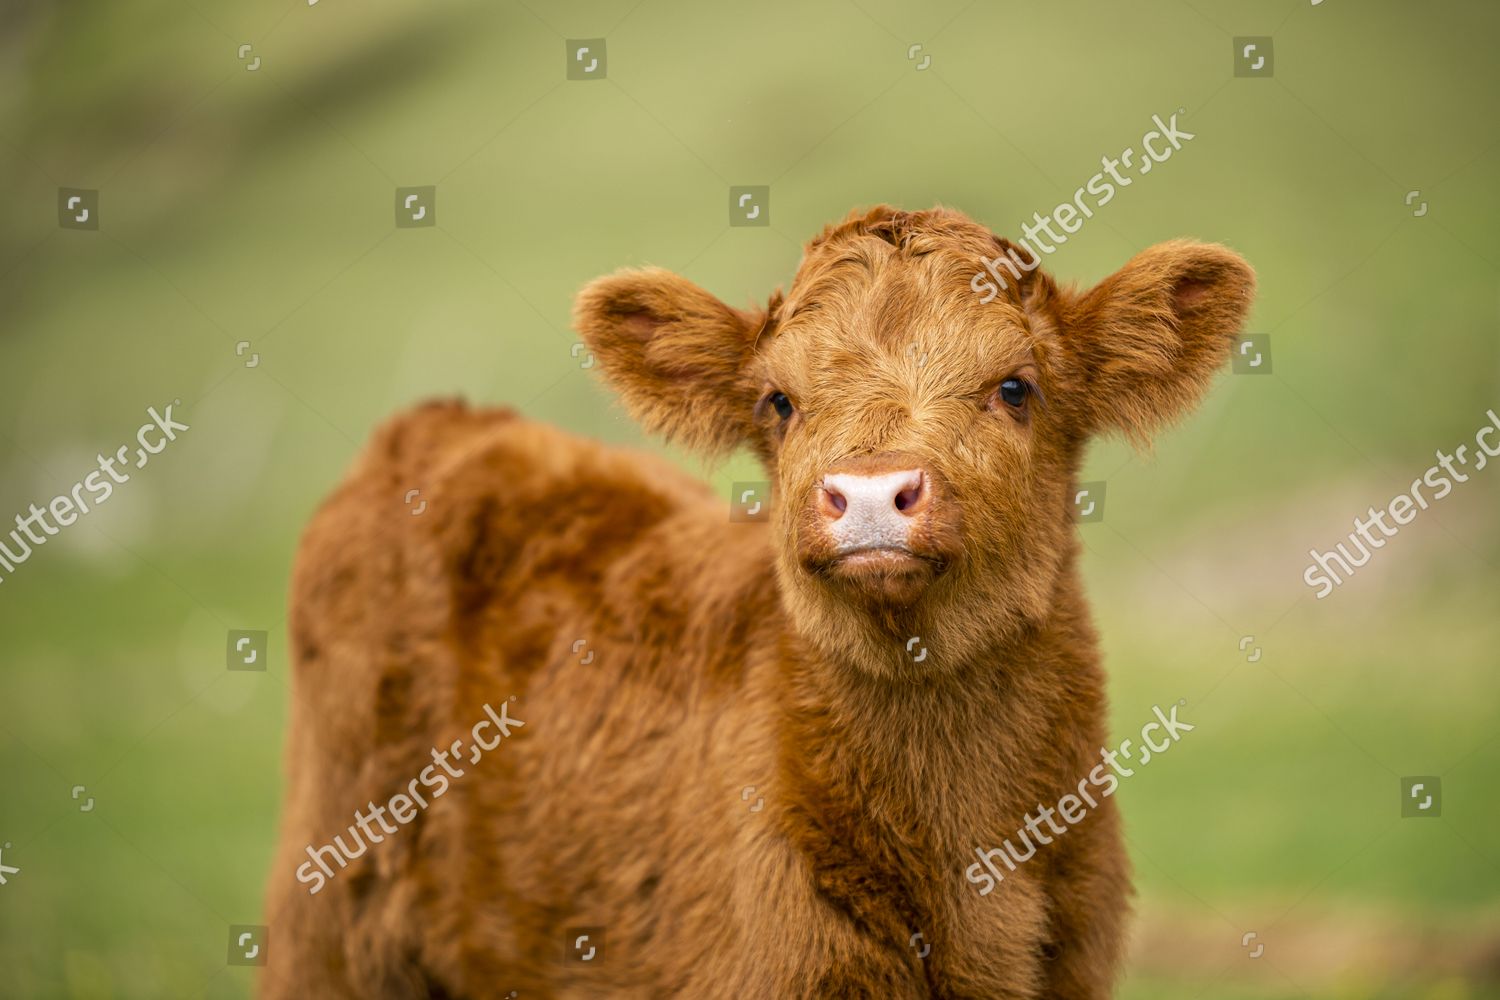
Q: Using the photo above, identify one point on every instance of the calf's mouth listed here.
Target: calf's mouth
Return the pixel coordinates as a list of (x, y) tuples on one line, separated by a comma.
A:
[(884, 575)]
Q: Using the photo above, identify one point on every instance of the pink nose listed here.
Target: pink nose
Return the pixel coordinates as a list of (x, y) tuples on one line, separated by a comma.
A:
[(872, 510), (892, 494)]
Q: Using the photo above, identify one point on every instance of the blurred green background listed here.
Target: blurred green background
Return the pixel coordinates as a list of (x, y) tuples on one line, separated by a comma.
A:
[(257, 205)]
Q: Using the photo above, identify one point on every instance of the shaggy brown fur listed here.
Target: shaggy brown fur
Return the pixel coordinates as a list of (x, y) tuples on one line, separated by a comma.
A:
[(730, 655)]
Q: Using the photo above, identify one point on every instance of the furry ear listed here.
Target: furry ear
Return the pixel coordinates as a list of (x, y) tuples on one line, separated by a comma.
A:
[(1146, 341), (678, 357)]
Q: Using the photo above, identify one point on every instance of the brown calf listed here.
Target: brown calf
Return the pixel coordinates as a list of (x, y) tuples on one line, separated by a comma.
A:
[(633, 749)]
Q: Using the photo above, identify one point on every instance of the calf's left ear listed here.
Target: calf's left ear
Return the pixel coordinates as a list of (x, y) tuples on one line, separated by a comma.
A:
[(1145, 342), (678, 357)]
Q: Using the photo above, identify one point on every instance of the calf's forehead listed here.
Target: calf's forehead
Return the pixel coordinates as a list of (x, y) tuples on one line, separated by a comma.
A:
[(913, 313)]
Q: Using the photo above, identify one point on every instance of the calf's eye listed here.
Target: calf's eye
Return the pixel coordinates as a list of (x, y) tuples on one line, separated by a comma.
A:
[(782, 405), (1013, 392)]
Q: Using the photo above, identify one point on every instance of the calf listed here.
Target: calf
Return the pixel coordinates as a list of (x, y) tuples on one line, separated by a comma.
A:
[(727, 759)]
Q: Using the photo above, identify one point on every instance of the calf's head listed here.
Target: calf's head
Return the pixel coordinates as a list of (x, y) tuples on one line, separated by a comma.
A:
[(922, 438)]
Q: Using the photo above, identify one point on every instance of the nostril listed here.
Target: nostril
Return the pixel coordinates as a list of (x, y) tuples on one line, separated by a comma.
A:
[(834, 502), (908, 498)]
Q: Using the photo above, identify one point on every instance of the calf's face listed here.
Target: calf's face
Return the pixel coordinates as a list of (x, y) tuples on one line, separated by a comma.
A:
[(923, 442)]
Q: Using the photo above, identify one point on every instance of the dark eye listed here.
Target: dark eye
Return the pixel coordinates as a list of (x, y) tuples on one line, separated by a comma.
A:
[(782, 405), (1013, 391)]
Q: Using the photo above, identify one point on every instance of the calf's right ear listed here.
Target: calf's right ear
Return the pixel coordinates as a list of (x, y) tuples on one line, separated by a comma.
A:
[(678, 357)]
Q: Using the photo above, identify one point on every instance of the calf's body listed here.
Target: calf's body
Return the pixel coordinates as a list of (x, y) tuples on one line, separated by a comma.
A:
[(708, 773)]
